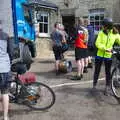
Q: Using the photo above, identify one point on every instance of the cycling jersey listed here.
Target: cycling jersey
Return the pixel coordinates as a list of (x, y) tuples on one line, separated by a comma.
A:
[(80, 40)]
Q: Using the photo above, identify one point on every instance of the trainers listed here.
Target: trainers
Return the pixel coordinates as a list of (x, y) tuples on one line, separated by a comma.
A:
[(81, 76), (85, 70), (107, 91), (76, 78), (90, 65), (94, 91)]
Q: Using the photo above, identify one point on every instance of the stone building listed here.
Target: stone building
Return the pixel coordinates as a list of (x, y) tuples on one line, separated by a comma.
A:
[(45, 14), (68, 12), (95, 10)]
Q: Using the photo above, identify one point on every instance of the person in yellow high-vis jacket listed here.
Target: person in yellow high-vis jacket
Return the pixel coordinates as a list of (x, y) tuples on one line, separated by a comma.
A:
[(105, 41)]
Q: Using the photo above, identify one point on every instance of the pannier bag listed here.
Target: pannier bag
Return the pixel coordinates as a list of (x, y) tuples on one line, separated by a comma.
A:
[(27, 78)]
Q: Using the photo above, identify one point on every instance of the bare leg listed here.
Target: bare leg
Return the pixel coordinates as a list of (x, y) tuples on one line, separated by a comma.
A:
[(57, 67), (79, 67), (86, 61), (82, 65), (5, 105), (89, 59)]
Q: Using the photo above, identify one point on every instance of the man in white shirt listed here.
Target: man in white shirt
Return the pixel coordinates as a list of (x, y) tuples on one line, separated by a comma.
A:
[(4, 70)]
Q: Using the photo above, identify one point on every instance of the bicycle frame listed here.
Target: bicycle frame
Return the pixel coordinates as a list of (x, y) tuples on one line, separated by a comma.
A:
[(17, 82)]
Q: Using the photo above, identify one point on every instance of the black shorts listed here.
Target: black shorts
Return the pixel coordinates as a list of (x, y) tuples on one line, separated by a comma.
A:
[(90, 51), (80, 53), (57, 50), (5, 82)]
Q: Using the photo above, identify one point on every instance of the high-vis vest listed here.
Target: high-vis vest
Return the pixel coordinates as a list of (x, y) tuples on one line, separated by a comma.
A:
[(105, 42)]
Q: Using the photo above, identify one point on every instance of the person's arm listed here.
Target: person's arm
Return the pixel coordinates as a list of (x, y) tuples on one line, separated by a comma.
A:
[(98, 42), (75, 33), (53, 38), (86, 36), (10, 48)]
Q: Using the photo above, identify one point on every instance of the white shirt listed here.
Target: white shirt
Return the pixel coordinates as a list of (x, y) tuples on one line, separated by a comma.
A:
[(4, 57)]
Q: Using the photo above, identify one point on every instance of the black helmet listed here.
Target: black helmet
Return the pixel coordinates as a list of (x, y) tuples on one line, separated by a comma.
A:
[(19, 67), (107, 22)]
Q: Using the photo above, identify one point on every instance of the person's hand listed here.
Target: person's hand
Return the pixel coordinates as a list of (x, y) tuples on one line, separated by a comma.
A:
[(109, 50), (63, 41)]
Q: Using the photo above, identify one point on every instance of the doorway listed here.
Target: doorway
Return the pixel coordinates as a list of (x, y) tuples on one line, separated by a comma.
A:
[(69, 23)]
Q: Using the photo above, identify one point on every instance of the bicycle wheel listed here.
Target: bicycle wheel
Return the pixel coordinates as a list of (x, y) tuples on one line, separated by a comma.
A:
[(115, 83), (45, 96)]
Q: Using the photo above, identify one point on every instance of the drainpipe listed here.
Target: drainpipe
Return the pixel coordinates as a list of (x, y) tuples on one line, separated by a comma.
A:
[(13, 3)]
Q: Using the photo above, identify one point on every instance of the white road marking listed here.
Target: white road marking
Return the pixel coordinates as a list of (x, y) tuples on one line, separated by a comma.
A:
[(78, 83)]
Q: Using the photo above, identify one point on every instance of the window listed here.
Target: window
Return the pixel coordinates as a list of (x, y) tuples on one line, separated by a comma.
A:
[(96, 17), (43, 20)]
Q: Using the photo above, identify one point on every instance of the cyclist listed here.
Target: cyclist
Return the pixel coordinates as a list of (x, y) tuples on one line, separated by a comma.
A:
[(80, 49), (5, 49), (104, 43)]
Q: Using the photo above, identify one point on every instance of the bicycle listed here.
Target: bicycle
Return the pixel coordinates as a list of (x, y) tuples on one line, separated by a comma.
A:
[(115, 77), (30, 93)]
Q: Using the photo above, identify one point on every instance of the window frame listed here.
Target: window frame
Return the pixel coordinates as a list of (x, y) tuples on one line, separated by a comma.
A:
[(38, 15), (94, 13)]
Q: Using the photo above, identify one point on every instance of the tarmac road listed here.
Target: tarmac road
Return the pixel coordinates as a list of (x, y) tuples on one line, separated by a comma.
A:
[(74, 99), (73, 102)]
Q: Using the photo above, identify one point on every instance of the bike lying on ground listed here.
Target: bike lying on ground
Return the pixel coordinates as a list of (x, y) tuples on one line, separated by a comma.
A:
[(25, 90), (115, 82)]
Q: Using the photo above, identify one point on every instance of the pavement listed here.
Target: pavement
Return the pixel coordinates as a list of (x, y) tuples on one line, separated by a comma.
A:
[(75, 100)]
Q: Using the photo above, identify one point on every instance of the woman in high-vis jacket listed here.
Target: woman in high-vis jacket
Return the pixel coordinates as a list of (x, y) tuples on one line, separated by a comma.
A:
[(104, 43)]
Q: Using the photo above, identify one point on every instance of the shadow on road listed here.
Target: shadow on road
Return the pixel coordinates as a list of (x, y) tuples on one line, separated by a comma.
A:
[(15, 112), (97, 96)]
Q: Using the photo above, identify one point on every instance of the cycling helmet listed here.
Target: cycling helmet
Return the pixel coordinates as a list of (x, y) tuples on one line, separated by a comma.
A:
[(19, 67), (107, 22)]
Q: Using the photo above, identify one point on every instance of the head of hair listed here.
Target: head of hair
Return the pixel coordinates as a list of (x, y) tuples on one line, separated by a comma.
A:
[(55, 25), (115, 30), (81, 21), (86, 22)]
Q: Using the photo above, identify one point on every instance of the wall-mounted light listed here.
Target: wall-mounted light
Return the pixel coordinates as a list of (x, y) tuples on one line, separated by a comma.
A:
[(67, 2)]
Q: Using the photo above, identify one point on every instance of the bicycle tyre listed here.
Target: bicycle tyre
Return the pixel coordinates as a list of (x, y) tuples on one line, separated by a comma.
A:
[(115, 82), (46, 106)]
